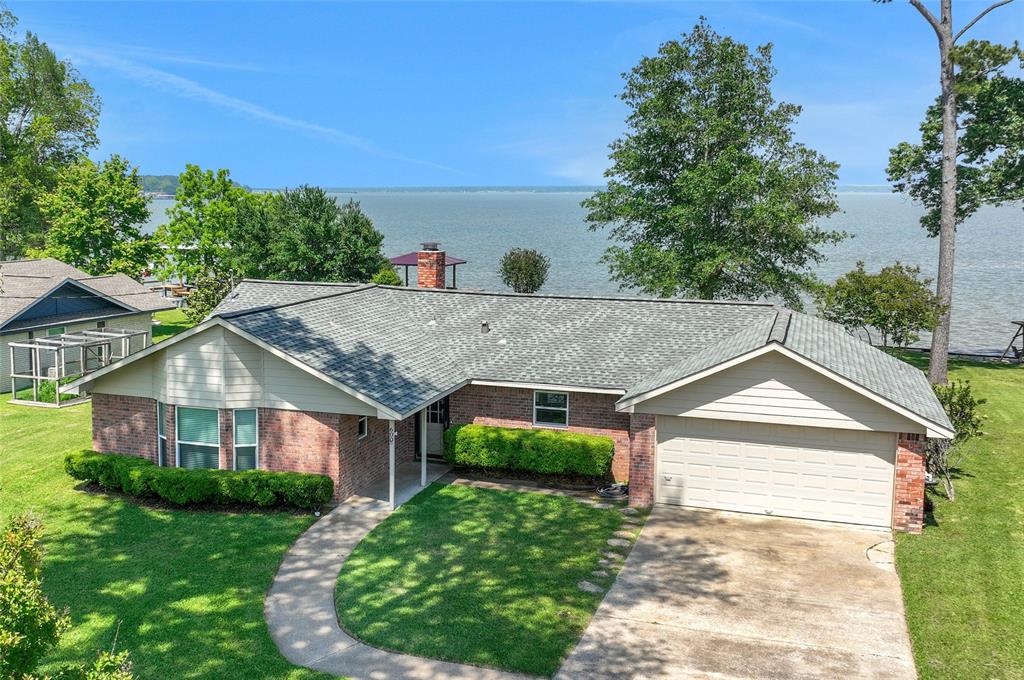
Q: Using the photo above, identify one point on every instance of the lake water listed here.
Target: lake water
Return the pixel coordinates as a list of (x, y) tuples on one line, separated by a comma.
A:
[(480, 225)]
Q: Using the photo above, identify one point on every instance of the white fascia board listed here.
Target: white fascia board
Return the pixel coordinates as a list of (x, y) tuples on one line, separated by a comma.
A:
[(546, 386), (933, 429)]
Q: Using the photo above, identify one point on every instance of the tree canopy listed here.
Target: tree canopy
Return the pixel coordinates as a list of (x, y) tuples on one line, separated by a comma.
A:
[(304, 234), (524, 270), (990, 148), (895, 302), (708, 194), (197, 238), (48, 120), (95, 214)]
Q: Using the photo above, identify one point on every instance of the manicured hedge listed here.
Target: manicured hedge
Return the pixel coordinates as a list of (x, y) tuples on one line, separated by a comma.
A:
[(139, 477), (543, 451)]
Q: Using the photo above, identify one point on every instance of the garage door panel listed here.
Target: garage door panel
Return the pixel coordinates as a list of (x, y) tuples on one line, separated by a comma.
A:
[(814, 473)]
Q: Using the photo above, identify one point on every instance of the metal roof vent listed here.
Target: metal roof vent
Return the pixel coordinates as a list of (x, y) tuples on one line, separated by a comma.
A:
[(485, 327)]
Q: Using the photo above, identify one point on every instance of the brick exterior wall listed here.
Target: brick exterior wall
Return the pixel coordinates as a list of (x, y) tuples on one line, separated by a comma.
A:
[(227, 435), (125, 425), (642, 445), (908, 502), (513, 407), (170, 428), (430, 269), (365, 461), (299, 441)]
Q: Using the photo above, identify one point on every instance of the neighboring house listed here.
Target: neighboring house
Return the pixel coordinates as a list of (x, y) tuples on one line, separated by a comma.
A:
[(43, 298), (735, 406)]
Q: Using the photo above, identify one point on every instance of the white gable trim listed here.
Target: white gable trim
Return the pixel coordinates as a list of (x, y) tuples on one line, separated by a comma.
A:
[(546, 386), (933, 429), (382, 410)]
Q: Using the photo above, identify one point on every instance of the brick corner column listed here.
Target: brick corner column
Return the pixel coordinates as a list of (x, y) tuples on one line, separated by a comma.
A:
[(641, 459), (908, 502), (227, 433)]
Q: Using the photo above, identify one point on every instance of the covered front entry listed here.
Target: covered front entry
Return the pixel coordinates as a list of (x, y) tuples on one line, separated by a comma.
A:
[(436, 422), (784, 470)]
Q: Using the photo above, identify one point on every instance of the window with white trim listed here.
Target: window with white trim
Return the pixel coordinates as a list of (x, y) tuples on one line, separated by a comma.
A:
[(56, 330), (551, 409), (362, 427), (197, 436), (161, 434), (247, 439)]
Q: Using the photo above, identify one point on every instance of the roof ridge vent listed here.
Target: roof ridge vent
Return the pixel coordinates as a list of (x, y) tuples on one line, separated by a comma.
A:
[(780, 326)]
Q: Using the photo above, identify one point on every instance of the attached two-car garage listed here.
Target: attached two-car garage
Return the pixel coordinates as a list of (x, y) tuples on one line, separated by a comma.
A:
[(773, 435), (783, 470)]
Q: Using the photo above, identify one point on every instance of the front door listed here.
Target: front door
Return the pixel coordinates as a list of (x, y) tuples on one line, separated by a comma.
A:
[(437, 422)]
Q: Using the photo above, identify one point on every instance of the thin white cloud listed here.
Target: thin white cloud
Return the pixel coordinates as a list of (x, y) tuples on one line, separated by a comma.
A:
[(151, 54), (190, 89)]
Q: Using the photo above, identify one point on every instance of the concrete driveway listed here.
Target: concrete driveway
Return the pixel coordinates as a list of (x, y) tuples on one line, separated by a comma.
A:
[(721, 595)]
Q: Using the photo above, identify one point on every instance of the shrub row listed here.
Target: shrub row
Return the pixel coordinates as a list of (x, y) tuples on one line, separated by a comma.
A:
[(179, 486), (542, 451)]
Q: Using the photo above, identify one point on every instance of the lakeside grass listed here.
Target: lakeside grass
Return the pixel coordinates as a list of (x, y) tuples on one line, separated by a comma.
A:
[(479, 576), (181, 590), (963, 578)]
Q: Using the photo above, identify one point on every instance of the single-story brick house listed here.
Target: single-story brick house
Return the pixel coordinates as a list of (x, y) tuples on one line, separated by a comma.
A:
[(46, 298), (737, 406)]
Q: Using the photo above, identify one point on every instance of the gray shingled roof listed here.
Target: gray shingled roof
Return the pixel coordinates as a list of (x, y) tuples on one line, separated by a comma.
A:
[(403, 346), (253, 294), (25, 281), (829, 345)]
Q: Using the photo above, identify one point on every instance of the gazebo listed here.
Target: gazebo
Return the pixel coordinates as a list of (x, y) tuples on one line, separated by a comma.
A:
[(412, 259)]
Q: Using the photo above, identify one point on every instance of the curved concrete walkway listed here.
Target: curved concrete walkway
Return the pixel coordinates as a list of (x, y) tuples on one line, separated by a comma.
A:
[(299, 607)]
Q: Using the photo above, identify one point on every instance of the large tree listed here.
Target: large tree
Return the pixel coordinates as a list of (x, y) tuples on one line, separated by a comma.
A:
[(304, 234), (197, 238), (934, 171), (48, 120), (95, 216), (708, 194)]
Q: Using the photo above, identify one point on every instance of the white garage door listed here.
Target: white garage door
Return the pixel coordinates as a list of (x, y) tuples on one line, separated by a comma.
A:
[(782, 470)]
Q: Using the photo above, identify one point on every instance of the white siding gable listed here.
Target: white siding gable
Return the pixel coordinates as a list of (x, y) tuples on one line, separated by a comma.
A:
[(216, 368), (772, 388)]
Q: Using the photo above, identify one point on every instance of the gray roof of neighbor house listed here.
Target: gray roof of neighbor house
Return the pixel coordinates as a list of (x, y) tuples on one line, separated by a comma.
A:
[(403, 346), (25, 282)]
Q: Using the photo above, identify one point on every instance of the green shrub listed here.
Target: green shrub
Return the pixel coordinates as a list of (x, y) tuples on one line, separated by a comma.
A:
[(543, 451), (179, 486)]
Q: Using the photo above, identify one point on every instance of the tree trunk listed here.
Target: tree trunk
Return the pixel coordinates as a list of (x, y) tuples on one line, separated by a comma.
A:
[(939, 356)]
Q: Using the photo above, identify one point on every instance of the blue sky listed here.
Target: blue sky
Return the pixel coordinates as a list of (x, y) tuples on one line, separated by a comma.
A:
[(460, 94)]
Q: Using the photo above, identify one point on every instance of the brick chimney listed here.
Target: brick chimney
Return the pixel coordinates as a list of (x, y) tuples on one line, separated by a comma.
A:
[(430, 263)]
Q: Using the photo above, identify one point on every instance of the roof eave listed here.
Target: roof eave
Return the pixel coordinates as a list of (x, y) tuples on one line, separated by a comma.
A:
[(932, 428)]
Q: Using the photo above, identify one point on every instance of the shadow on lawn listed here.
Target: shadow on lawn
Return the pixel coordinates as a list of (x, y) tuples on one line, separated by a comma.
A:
[(489, 577), (186, 587)]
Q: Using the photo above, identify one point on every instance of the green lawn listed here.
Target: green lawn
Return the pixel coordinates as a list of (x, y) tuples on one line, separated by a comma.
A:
[(169, 322), (186, 587), (963, 578), (478, 576)]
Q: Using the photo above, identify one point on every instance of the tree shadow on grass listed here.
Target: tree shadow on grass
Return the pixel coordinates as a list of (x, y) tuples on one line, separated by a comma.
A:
[(184, 588), (487, 577)]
